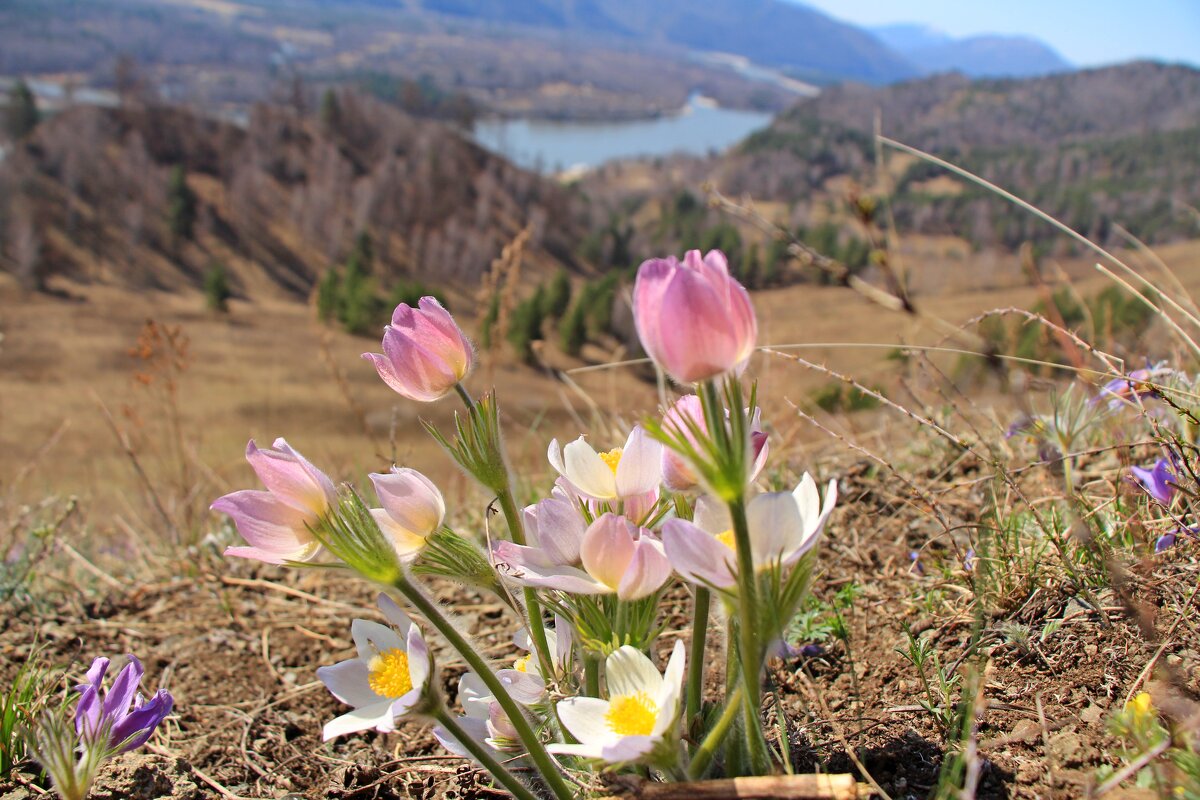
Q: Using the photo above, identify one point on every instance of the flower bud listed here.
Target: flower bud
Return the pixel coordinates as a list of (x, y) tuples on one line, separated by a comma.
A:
[(425, 353), (693, 318)]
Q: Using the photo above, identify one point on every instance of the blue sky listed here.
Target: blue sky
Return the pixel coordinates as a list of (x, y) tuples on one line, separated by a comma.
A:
[(1085, 32)]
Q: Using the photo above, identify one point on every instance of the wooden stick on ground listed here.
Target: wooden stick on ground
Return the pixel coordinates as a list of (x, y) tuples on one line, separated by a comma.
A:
[(783, 787)]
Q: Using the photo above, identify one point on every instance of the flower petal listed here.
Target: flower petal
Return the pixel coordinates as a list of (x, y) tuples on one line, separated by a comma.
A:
[(411, 499), (587, 472), (584, 717), (608, 547), (629, 671), (698, 556), (349, 682), (407, 543), (377, 716), (640, 469), (371, 639), (419, 660), (560, 530), (776, 528), (291, 477), (648, 570), (124, 688), (271, 527)]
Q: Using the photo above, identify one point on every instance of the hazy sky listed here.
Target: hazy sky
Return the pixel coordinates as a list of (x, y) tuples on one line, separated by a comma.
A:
[(1085, 32)]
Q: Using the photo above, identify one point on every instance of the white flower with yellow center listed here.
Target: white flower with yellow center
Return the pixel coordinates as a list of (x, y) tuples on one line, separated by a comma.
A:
[(386, 680), (623, 472), (561, 641), (640, 716), (783, 526)]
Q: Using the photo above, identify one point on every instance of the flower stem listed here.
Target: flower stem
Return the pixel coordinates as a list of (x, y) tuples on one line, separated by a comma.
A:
[(465, 395), (591, 675), (516, 714), (704, 753), (482, 754), (750, 649), (696, 664)]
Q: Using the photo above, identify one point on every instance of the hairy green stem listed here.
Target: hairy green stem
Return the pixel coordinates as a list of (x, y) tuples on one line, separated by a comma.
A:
[(750, 651), (704, 753), (482, 754), (537, 752), (465, 395), (591, 675), (695, 684)]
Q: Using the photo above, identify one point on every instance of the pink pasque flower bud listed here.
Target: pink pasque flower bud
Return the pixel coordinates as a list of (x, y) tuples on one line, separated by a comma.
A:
[(413, 508), (275, 523), (425, 353), (694, 320)]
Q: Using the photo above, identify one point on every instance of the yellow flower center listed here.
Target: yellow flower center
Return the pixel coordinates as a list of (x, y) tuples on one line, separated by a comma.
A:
[(631, 714), (521, 664), (612, 458), (1141, 705), (727, 538), (388, 674)]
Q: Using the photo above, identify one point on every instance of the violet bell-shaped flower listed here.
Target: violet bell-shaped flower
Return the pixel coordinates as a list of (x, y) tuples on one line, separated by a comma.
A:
[(425, 353), (276, 523), (1120, 391), (686, 418), (783, 526), (413, 508), (122, 715), (693, 318), (616, 556), (1158, 481)]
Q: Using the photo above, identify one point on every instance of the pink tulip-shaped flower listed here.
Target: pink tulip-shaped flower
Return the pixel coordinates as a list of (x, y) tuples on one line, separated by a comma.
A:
[(686, 419), (783, 526), (425, 353), (275, 523), (413, 508), (616, 556), (694, 320)]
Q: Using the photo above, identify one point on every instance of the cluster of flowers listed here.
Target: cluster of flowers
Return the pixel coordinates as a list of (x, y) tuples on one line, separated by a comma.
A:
[(674, 504), (104, 724), (1159, 481)]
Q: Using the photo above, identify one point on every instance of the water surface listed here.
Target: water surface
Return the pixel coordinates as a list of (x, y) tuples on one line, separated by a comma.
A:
[(548, 146)]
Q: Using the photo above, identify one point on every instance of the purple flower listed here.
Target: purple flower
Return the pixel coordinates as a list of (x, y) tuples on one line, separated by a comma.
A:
[(1158, 481), (1119, 391), (1022, 424), (1168, 540), (123, 716)]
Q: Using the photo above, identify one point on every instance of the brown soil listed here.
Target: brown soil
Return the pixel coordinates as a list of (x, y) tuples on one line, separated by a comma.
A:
[(238, 644)]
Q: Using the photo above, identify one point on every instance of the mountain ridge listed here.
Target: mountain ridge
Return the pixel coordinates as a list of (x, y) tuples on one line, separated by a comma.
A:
[(988, 55)]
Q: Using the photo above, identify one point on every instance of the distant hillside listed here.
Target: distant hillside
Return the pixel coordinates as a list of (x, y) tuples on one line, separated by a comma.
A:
[(1120, 144), (90, 195), (807, 43), (990, 56), (1112, 146)]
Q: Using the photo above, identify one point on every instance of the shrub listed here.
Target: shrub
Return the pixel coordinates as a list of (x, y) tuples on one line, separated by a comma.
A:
[(558, 295), (181, 204), (217, 291)]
